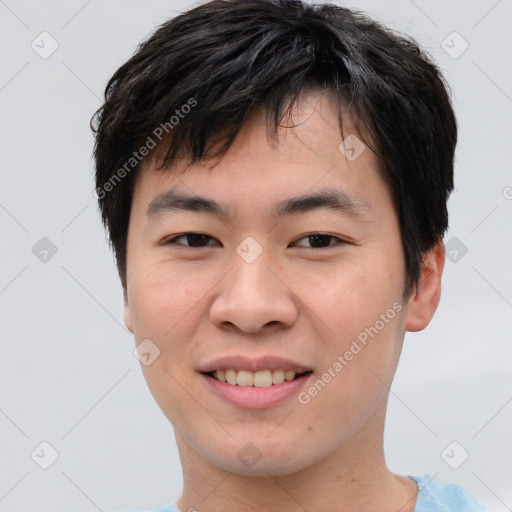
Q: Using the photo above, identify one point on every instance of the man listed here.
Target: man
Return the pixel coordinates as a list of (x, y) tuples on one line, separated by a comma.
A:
[(273, 176)]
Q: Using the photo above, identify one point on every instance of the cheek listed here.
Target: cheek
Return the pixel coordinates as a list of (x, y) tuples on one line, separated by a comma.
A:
[(164, 303), (357, 313), (354, 378), (165, 310), (348, 298)]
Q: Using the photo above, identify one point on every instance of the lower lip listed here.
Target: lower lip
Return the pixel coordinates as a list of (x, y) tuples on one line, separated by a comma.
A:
[(248, 397)]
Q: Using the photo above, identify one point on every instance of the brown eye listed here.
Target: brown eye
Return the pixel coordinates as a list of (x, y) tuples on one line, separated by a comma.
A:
[(319, 241), (192, 239)]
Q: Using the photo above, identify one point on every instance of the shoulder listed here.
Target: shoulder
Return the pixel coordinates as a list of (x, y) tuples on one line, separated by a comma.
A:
[(434, 497)]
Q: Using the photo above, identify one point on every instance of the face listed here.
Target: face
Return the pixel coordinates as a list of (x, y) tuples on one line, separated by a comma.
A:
[(292, 268)]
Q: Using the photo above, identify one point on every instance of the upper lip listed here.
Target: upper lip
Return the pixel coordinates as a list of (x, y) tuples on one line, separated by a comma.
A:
[(239, 362)]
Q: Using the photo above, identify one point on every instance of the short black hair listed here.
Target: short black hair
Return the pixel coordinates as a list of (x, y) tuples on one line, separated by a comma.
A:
[(201, 74)]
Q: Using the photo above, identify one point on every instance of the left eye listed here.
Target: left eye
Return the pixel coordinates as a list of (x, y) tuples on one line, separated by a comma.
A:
[(320, 240), (316, 240)]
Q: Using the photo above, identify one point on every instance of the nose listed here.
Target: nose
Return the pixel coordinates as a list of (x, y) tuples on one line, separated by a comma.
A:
[(253, 298)]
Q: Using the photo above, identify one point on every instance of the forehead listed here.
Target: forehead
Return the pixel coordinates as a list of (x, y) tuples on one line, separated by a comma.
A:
[(307, 153)]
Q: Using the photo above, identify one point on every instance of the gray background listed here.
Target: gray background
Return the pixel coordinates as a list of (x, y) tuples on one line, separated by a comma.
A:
[(67, 372)]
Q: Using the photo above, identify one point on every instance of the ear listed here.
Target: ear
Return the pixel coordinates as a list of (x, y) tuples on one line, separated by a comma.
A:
[(423, 302), (127, 312)]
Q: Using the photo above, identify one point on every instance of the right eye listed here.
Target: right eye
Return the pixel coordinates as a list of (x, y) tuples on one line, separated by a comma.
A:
[(193, 239)]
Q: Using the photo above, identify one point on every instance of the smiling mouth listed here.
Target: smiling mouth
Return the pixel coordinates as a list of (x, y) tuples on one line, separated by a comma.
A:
[(260, 379)]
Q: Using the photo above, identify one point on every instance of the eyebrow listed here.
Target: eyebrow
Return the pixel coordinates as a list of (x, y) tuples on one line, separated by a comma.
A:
[(171, 201)]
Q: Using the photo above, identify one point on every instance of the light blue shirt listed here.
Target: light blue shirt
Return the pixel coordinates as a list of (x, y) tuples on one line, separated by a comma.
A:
[(432, 497)]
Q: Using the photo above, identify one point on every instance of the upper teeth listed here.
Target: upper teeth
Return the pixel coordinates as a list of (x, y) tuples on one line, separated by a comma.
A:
[(261, 379)]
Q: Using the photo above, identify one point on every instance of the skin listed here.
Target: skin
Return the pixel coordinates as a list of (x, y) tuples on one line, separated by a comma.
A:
[(299, 302)]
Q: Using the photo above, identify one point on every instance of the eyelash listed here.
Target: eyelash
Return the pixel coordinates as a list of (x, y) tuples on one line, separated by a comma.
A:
[(327, 235)]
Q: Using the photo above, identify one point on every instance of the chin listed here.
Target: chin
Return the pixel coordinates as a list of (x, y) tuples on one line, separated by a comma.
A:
[(260, 458), (267, 465)]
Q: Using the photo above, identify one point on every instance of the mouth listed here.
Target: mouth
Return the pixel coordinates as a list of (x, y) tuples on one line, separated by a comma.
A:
[(262, 389), (260, 379), (254, 382)]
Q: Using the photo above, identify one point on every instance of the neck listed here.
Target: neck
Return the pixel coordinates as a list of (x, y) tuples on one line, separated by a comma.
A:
[(354, 477)]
